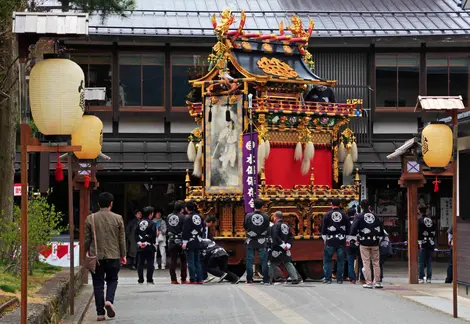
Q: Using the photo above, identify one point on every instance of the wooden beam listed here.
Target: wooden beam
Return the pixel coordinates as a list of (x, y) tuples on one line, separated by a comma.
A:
[(412, 234), (53, 149)]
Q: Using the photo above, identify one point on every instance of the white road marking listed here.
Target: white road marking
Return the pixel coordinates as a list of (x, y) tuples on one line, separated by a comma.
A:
[(285, 314)]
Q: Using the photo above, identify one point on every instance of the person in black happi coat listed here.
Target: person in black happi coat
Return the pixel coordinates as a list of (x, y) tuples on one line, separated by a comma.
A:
[(427, 244), (215, 261), (193, 232), (279, 251), (335, 227), (175, 241), (146, 237), (256, 225)]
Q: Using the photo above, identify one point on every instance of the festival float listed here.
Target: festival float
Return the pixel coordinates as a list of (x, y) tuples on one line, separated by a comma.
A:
[(268, 127)]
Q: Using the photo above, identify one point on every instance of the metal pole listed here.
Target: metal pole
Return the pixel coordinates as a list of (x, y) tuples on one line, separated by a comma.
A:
[(24, 223), (72, 240), (454, 215)]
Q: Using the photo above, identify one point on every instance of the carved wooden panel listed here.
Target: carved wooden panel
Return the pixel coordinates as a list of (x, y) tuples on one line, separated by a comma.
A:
[(239, 219), (226, 221)]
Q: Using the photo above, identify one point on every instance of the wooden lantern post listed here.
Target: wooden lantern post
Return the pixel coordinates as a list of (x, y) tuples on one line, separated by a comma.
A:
[(28, 145), (411, 178), (83, 170)]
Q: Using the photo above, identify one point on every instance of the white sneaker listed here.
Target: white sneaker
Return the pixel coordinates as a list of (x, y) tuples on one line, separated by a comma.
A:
[(223, 277), (367, 286), (428, 281), (209, 279), (378, 285), (163, 267), (420, 281)]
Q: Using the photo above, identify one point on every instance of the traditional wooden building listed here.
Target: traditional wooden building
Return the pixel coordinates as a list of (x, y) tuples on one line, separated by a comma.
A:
[(384, 53)]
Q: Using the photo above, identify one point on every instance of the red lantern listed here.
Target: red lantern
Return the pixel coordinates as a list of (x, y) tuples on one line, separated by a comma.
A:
[(59, 172)]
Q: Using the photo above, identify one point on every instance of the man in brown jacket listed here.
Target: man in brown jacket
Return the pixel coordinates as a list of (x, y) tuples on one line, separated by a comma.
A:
[(108, 230)]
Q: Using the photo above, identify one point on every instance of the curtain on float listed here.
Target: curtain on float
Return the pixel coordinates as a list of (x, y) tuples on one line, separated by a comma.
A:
[(282, 169)]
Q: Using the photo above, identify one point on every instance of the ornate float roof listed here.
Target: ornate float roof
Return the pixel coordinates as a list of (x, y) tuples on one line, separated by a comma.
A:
[(281, 57)]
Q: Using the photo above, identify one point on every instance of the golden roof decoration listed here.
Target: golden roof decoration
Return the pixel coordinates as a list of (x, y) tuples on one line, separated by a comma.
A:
[(276, 67)]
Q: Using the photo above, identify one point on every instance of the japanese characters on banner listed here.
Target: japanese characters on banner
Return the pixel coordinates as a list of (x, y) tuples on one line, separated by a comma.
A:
[(250, 167), (58, 254), (446, 212)]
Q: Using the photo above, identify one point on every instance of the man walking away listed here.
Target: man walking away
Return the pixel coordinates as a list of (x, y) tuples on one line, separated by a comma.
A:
[(281, 243), (193, 232), (215, 261), (256, 225), (105, 231), (335, 227), (449, 266), (161, 228), (370, 231), (426, 242), (146, 237), (175, 242), (132, 243)]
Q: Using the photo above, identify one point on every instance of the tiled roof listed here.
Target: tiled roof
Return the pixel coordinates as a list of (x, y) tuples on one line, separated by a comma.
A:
[(340, 18)]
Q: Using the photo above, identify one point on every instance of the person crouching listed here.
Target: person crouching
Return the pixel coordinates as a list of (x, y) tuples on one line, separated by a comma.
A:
[(214, 259), (279, 252)]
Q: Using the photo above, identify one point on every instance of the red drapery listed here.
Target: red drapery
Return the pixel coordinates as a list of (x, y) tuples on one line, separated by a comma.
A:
[(282, 169)]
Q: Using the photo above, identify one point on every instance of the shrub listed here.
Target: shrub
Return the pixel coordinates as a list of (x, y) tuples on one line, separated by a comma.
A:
[(43, 224)]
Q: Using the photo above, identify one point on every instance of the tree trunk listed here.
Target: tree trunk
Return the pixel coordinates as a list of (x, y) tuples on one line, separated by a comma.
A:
[(8, 123)]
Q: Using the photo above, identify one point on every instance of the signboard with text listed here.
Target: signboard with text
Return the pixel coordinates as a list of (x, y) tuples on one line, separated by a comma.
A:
[(250, 170)]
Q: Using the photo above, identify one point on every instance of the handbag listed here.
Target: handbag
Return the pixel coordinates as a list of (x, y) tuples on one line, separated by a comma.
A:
[(92, 260)]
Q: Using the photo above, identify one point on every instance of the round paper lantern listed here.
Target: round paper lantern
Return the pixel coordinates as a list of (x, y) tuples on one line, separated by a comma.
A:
[(56, 92), (437, 144), (88, 133)]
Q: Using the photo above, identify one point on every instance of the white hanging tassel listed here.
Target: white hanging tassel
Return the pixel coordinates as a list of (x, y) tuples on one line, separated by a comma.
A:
[(267, 148), (354, 152), (348, 165), (309, 151), (341, 152), (298, 152), (197, 172), (191, 151), (305, 167), (261, 155)]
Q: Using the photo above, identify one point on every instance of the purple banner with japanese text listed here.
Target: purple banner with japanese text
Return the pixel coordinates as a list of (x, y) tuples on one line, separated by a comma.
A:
[(249, 156)]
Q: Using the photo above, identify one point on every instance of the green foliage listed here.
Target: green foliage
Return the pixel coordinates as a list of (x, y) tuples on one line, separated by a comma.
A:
[(43, 223), (103, 7)]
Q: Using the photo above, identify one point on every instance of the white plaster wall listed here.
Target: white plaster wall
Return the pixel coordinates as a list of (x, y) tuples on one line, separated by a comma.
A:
[(393, 124), (141, 123)]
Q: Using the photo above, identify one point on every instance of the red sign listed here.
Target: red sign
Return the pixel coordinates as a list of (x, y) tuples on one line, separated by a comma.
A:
[(17, 190)]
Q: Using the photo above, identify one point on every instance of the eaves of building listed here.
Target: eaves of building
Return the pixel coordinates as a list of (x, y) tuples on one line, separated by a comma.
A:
[(339, 18)]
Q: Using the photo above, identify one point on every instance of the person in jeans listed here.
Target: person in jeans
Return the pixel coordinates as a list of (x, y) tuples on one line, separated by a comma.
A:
[(281, 239), (256, 225), (352, 250), (335, 227), (175, 242), (193, 232), (369, 229), (426, 243), (160, 246), (110, 242), (146, 237)]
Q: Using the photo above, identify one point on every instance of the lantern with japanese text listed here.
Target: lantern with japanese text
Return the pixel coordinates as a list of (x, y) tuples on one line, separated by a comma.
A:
[(56, 91), (437, 144), (88, 133)]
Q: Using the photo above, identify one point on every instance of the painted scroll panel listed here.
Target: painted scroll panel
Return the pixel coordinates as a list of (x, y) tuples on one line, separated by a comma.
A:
[(223, 151)]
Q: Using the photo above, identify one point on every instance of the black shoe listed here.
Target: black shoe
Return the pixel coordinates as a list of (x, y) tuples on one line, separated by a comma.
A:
[(140, 282), (339, 282), (295, 282), (448, 281), (327, 281)]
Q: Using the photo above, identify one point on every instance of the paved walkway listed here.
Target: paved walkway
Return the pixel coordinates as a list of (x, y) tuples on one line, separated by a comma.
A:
[(306, 303)]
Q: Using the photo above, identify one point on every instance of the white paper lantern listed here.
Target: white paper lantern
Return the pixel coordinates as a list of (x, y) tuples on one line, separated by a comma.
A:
[(56, 91)]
